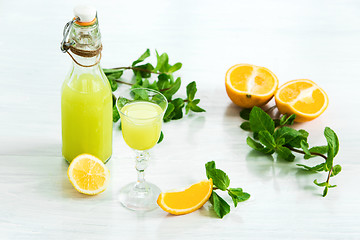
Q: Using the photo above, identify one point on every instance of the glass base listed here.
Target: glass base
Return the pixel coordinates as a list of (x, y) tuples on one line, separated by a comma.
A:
[(139, 199)]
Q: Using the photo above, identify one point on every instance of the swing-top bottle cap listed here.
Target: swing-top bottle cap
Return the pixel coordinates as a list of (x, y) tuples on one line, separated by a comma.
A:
[(85, 13), (82, 33)]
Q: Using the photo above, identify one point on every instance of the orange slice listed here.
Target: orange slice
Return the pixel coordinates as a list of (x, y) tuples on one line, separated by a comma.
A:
[(249, 85), (88, 174), (303, 98), (188, 200)]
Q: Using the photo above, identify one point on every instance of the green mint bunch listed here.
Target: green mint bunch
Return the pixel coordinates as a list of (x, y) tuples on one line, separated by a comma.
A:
[(165, 83), (221, 182), (274, 136)]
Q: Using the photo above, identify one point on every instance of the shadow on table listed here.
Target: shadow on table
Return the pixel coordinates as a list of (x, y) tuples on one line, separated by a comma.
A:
[(267, 167), (233, 110), (184, 225), (190, 223), (197, 122)]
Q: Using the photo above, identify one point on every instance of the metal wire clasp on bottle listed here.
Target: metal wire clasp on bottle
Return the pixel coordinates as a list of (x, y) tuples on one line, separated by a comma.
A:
[(65, 44)]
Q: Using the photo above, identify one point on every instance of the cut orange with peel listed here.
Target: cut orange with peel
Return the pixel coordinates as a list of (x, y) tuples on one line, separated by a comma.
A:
[(188, 200), (249, 85), (88, 174), (302, 97)]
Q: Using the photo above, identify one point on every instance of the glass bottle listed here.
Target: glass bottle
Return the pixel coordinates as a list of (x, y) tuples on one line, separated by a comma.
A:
[(86, 96)]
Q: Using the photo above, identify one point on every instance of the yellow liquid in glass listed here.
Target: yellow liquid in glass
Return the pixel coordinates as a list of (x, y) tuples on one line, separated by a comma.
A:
[(141, 127), (86, 113)]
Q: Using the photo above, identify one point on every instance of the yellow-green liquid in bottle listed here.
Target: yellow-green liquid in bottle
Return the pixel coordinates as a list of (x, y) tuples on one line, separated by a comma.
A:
[(86, 111)]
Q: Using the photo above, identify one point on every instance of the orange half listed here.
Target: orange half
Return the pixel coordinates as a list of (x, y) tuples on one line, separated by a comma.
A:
[(188, 200), (302, 97), (249, 85)]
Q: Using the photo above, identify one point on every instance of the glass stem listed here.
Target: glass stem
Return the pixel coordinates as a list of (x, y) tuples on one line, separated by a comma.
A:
[(142, 158)]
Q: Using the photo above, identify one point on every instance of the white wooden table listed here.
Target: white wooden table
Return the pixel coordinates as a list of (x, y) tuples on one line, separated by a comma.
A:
[(319, 40)]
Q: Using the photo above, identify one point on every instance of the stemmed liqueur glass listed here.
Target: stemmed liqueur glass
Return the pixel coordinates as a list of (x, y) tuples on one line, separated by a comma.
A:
[(141, 112)]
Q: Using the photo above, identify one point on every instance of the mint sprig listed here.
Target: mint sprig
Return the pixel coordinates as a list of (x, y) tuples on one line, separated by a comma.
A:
[(165, 83), (221, 182), (274, 136)]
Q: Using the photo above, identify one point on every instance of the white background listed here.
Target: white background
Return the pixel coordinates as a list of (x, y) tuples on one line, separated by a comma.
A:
[(318, 40)]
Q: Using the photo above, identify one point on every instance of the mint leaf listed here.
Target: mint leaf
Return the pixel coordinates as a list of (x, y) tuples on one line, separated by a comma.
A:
[(237, 195), (112, 75), (173, 89), (169, 112), (209, 166), (287, 120), (116, 115), (254, 144), (191, 90), (153, 86), (144, 70), (280, 141), (258, 146), (140, 94), (174, 110), (221, 181), (113, 100), (245, 126), (285, 153), (138, 79), (289, 134), (333, 146), (179, 105), (317, 168), (282, 119), (192, 105), (187, 108), (319, 149), (297, 140), (336, 170), (316, 149), (245, 114), (276, 122), (109, 71), (161, 137), (305, 147), (145, 83), (322, 184), (145, 55), (113, 84), (267, 139), (163, 81), (162, 62), (196, 108), (325, 191), (219, 177), (175, 67), (221, 207), (233, 193), (121, 101), (260, 121), (304, 133)]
